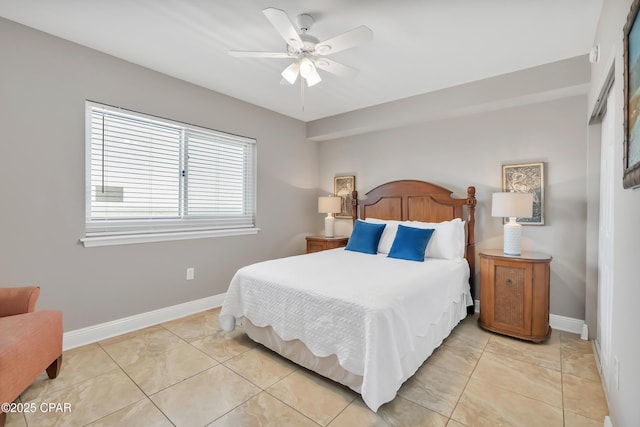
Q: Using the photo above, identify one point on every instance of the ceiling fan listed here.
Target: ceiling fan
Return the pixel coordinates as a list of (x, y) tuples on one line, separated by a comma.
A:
[(309, 54)]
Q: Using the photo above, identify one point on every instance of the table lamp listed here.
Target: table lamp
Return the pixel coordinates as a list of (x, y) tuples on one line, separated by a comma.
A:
[(512, 205), (329, 205)]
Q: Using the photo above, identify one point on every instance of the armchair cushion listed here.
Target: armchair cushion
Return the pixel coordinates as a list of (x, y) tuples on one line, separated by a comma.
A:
[(18, 300), (29, 344)]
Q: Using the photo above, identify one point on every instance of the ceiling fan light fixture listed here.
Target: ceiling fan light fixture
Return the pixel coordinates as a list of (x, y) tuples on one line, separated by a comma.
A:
[(290, 73), (306, 67), (313, 78)]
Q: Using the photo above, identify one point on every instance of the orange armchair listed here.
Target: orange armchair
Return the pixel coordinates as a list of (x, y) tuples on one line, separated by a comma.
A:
[(30, 342)]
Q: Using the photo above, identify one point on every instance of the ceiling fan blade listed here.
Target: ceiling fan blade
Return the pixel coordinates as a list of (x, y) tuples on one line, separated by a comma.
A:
[(347, 40), (335, 67), (280, 20), (249, 54)]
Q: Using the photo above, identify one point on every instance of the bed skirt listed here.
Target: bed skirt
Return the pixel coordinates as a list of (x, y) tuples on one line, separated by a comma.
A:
[(329, 367)]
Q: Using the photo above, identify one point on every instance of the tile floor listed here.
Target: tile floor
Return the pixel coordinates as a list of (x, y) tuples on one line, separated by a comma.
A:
[(188, 373)]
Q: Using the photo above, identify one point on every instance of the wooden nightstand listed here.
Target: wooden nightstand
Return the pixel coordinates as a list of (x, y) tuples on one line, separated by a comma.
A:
[(514, 294), (322, 243)]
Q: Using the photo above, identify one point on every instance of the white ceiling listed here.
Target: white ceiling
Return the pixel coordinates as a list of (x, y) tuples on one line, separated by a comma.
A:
[(418, 45)]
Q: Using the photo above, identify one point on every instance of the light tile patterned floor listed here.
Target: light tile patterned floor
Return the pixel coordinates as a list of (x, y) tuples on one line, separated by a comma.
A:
[(188, 373)]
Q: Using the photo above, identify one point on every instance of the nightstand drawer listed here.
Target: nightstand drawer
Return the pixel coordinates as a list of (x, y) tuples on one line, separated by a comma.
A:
[(321, 243), (315, 246)]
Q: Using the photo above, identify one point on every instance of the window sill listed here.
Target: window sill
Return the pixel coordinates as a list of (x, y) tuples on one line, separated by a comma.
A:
[(130, 239)]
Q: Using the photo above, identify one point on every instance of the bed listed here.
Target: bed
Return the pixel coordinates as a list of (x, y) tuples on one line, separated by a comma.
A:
[(366, 320)]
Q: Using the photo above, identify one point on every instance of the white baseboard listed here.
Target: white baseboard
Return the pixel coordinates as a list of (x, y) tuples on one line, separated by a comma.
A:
[(561, 323), (91, 334), (567, 324), (607, 422)]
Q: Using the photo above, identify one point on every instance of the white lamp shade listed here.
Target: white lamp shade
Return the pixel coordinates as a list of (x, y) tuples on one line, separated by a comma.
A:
[(328, 204), (519, 205)]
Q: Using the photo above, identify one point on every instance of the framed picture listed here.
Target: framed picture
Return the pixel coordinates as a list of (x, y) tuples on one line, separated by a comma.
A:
[(343, 186), (526, 178), (631, 163)]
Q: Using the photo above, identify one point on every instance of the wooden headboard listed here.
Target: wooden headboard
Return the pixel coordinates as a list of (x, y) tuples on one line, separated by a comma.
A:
[(411, 200)]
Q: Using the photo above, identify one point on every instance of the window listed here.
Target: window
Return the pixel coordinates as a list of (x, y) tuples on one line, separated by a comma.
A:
[(153, 179)]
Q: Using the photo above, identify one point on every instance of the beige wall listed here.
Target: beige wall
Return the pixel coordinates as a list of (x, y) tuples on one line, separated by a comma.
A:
[(463, 151), (44, 82), (623, 401)]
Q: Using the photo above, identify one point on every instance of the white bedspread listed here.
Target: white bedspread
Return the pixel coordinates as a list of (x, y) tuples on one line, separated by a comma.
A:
[(365, 309)]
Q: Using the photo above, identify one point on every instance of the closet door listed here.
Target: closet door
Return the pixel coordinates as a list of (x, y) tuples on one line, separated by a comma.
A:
[(605, 241)]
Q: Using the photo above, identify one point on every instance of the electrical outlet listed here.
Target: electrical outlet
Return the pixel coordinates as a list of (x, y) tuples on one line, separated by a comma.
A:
[(191, 272), (616, 373)]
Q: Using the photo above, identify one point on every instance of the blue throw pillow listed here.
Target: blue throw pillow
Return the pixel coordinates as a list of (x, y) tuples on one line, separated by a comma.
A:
[(365, 237), (410, 243)]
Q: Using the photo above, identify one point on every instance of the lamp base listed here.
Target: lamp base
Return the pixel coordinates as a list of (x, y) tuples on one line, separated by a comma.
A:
[(512, 238), (329, 223)]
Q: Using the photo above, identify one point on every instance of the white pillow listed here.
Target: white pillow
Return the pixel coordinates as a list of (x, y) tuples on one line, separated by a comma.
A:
[(447, 241), (388, 234)]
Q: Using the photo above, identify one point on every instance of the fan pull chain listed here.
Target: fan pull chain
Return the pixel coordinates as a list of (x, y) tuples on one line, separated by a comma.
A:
[(302, 92)]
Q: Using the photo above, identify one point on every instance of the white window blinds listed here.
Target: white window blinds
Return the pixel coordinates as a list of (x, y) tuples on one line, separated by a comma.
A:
[(151, 175)]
